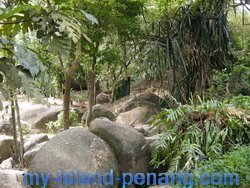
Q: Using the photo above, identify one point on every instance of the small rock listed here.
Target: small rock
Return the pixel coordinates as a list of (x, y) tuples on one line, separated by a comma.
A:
[(102, 98)]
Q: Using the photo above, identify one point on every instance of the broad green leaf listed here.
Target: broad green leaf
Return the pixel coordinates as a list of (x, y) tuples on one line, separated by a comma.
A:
[(29, 60), (14, 12)]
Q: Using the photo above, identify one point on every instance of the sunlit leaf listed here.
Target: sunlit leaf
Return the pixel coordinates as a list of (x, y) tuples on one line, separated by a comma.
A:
[(90, 17)]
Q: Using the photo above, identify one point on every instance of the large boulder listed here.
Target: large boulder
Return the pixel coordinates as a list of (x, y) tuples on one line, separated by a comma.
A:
[(129, 146), (99, 111), (74, 149), (11, 178), (5, 127), (34, 140), (30, 154), (6, 145), (130, 102), (102, 98), (37, 116), (138, 115)]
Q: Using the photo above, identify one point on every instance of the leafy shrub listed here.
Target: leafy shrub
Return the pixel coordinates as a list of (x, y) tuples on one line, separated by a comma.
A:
[(241, 101), (25, 129), (235, 161), (231, 82), (195, 133), (58, 124)]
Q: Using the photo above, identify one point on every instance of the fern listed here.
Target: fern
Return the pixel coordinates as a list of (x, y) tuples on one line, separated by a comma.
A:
[(195, 133)]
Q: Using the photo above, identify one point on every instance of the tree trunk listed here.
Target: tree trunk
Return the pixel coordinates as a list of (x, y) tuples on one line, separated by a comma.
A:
[(20, 132), (91, 86), (67, 86), (13, 122)]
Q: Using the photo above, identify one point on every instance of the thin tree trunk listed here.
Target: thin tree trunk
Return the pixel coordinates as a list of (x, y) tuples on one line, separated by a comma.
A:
[(67, 86), (91, 87), (91, 81), (20, 132), (13, 122)]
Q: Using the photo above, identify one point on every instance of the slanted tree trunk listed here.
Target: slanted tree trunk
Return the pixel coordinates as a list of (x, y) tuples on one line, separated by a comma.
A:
[(67, 85), (21, 149)]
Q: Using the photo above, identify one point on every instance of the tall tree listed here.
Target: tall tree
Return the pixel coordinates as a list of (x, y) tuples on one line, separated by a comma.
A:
[(15, 58), (118, 20)]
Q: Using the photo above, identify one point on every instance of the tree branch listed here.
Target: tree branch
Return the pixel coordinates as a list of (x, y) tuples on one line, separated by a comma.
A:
[(16, 22)]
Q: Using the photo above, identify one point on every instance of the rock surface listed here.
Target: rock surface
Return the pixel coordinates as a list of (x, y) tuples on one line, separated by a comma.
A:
[(142, 128), (6, 142), (38, 115), (2, 97), (7, 164), (30, 154), (73, 149), (129, 146), (5, 127), (138, 115), (102, 98), (11, 179), (130, 102), (34, 140), (99, 111)]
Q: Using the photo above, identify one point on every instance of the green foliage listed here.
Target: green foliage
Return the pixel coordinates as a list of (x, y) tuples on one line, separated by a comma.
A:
[(240, 32), (189, 42), (235, 161), (29, 60), (53, 127), (241, 101), (25, 129), (198, 132), (18, 65), (76, 97), (232, 82), (17, 18)]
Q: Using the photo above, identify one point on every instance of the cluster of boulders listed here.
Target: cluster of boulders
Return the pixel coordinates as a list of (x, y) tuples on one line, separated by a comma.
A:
[(118, 138), (9, 175)]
